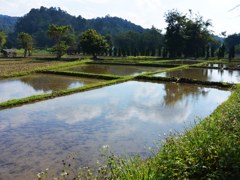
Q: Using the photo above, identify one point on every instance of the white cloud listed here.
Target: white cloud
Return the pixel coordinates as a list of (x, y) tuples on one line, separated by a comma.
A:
[(164, 116), (76, 115), (148, 106)]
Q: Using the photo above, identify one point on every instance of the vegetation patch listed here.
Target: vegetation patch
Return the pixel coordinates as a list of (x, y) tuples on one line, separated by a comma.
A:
[(151, 64), (210, 150), (54, 58), (137, 59)]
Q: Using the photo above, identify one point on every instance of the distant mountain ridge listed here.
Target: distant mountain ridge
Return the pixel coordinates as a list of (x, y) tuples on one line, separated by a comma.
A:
[(7, 23), (36, 23)]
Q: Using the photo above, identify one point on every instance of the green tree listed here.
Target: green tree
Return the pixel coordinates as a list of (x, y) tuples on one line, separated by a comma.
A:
[(186, 35), (26, 42), (151, 40), (70, 40), (93, 43), (108, 38), (196, 36), (174, 37), (3, 39), (128, 42), (57, 33), (135, 43), (231, 54), (221, 51), (207, 51), (232, 40)]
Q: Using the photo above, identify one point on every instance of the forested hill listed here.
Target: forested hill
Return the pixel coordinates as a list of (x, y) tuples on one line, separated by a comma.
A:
[(7, 23), (38, 19), (112, 25), (36, 23)]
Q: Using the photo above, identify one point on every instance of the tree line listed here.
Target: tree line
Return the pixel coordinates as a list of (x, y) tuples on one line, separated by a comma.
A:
[(187, 35)]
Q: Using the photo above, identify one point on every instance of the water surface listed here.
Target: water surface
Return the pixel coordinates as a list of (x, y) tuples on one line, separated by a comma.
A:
[(128, 117), (15, 88), (223, 66), (217, 75), (120, 70)]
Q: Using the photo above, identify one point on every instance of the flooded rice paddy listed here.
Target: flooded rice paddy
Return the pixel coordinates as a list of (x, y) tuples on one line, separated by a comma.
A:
[(223, 66), (217, 75), (120, 70), (15, 88), (127, 117)]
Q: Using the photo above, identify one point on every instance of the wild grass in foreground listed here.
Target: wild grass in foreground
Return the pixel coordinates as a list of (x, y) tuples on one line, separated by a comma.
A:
[(210, 150)]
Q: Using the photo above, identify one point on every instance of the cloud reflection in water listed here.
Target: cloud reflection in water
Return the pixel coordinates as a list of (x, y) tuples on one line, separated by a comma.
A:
[(127, 117)]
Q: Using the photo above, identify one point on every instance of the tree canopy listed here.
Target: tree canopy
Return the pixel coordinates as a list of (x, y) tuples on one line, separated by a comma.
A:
[(3, 39), (36, 23), (7, 23), (139, 43), (26, 42), (57, 33), (232, 40), (186, 35), (93, 43)]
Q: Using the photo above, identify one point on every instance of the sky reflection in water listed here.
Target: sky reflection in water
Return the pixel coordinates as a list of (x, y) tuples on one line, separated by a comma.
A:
[(217, 75), (127, 117), (15, 88), (120, 70)]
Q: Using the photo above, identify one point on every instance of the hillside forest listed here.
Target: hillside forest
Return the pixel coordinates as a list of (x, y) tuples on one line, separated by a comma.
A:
[(186, 35)]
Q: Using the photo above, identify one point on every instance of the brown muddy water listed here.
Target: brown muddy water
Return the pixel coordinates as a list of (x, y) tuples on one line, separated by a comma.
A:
[(217, 75), (15, 88), (127, 117), (120, 70)]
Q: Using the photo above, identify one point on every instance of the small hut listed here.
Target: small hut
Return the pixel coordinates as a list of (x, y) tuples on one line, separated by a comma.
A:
[(9, 52)]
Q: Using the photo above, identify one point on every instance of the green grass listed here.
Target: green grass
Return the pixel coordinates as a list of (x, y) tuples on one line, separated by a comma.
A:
[(183, 80), (210, 150), (149, 63), (35, 52)]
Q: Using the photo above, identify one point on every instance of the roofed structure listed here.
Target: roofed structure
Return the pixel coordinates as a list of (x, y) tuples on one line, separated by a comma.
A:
[(9, 52)]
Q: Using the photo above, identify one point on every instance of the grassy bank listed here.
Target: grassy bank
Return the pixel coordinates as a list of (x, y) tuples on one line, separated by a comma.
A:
[(150, 64), (210, 150), (183, 80)]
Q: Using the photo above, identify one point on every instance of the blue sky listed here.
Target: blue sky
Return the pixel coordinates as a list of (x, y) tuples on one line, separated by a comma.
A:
[(142, 12)]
